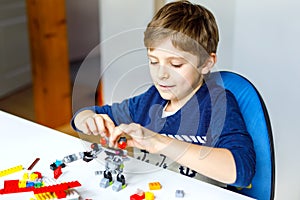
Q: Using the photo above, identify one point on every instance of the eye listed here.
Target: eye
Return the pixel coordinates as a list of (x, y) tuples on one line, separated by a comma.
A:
[(176, 65), (152, 62)]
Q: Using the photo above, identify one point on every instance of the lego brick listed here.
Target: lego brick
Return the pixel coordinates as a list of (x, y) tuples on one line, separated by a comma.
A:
[(33, 164), (29, 184), (179, 194), (104, 183), (117, 186), (25, 176), (61, 194), (12, 183), (155, 186), (12, 186), (11, 170), (39, 174), (57, 172), (57, 187), (136, 197), (149, 196), (33, 176)]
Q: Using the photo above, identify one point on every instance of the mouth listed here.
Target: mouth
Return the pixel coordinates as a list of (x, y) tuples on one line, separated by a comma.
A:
[(165, 87)]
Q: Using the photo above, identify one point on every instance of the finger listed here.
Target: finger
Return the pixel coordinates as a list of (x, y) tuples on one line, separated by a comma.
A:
[(85, 129), (109, 124), (91, 124), (115, 135), (100, 125), (133, 130), (131, 143)]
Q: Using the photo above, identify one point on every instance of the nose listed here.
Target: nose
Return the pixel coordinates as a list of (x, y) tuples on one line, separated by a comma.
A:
[(163, 72)]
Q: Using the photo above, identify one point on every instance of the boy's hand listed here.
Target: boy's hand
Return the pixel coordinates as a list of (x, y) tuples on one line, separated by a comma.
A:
[(97, 124), (139, 137)]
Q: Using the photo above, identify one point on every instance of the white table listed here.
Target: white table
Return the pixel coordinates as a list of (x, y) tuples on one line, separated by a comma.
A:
[(23, 141)]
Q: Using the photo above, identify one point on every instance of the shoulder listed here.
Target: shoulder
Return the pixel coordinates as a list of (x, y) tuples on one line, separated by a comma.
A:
[(213, 93)]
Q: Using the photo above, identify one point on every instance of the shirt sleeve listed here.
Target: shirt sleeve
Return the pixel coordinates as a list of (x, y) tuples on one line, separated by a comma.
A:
[(228, 130)]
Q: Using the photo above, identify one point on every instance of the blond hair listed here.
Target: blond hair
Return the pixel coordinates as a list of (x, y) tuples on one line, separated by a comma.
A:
[(190, 27)]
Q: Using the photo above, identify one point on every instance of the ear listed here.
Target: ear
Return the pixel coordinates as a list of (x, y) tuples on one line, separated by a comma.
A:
[(209, 63)]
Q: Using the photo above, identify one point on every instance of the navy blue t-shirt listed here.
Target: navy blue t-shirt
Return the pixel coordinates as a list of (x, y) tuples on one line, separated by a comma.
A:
[(211, 117)]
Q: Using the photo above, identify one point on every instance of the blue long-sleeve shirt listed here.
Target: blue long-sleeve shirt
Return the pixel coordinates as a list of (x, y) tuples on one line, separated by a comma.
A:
[(211, 117)]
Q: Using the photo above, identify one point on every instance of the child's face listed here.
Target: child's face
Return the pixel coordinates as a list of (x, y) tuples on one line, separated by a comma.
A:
[(174, 72)]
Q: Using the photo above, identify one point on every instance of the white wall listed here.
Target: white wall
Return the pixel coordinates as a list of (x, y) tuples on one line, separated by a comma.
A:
[(83, 27), (123, 55), (266, 49), (261, 41), (15, 70)]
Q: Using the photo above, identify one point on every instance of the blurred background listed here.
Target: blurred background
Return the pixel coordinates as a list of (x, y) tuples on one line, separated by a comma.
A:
[(57, 56), (16, 74)]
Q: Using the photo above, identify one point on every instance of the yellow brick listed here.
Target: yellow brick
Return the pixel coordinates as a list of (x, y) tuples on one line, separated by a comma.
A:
[(39, 197), (25, 176), (33, 176), (22, 184), (149, 196), (11, 170)]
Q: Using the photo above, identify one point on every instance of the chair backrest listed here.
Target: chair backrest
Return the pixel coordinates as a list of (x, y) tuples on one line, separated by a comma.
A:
[(258, 125)]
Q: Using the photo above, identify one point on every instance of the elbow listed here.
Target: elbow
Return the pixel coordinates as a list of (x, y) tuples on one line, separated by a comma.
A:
[(243, 180), (245, 170)]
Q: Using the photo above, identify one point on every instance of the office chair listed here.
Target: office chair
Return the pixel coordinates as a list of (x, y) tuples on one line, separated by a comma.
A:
[(258, 125)]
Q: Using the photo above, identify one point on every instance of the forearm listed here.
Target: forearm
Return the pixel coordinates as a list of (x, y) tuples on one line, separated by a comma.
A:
[(216, 163)]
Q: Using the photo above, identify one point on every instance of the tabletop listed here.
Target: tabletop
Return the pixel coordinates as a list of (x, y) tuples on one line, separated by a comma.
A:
[(23, 141)]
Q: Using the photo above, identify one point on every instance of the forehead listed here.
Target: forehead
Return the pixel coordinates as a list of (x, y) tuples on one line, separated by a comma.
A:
[(166, 49)]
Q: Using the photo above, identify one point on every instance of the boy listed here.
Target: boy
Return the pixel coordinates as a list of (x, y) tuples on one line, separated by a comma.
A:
[(184, 116)]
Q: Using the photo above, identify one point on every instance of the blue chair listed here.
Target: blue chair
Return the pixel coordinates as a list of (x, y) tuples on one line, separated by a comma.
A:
[(258, 125)]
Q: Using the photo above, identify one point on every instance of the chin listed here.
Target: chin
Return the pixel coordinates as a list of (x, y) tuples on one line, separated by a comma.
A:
[(166, 96)]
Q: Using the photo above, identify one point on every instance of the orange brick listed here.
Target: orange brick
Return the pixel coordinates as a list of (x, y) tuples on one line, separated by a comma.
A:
[(155, 186)]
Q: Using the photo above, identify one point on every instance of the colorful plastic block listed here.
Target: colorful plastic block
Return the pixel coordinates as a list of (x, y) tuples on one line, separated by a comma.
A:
[(139, 195), (104, 183), (29, 184), (122, 142), (44, 196), (22, 183), (155, 186), (61, 194), (11, 170), (149, 196), (136, 197), (117, 186), (12, 186), (33, 164), (179, 194), (25, 176), (57, 172), (33, 176), (39, 174)]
